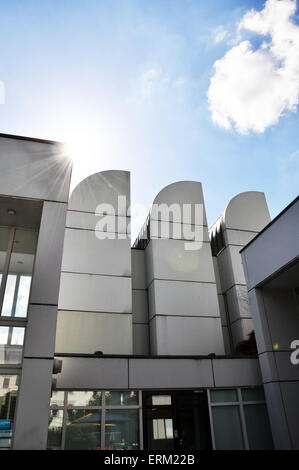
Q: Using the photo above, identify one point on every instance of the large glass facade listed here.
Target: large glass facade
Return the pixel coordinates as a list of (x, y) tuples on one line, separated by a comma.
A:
[(17, 255), (222, 419), (94, 420)]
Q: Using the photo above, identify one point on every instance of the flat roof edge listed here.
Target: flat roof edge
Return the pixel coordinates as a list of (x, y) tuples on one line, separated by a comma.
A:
[(138, 356), (270, 223), (30, 139)]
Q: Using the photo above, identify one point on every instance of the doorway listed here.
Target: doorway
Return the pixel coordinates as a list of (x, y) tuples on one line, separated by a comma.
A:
[(176, 420)]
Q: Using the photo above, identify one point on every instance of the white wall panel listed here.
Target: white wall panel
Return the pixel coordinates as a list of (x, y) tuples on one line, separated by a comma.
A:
[(238, 237), (188, 336), (237, 372), (85, 253), (172, 261), (163, 373), (238, 303), (178, 231), (183, 298), (87, 332), (89, 221), (101, 188), (33, 169), (92, 293)]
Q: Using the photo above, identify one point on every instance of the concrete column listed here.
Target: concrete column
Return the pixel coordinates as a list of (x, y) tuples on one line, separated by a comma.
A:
[(32, 411)]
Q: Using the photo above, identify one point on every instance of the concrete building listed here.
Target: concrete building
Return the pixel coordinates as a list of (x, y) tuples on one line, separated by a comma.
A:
[(104, 345), (271, 263)]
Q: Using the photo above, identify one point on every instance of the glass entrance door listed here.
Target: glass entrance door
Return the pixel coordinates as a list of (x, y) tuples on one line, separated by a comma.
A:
[(160, 428)]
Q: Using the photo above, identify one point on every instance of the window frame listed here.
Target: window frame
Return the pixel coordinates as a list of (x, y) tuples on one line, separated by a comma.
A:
[(102, 408), (241, 403), (12, 321), (14, 371), (6, 273)]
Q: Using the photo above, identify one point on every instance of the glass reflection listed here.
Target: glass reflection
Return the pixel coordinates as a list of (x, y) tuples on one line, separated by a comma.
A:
[(121, 398), (11, 344), (121, 430), (57, 398), (23, 296), (9, 295), (162, 429), (8, 396), (83, 430), (84, 398), (227, 428), (55, 429)]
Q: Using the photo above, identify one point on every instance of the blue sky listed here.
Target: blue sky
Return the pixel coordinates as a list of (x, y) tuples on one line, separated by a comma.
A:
[(125, 83)]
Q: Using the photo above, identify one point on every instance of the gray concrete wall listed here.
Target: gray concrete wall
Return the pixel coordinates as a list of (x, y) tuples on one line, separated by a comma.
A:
[(34, 169), (95, 299), (184, 315), (157, 373), (31, 418), (242, 219), (38, 170), (276, 321)]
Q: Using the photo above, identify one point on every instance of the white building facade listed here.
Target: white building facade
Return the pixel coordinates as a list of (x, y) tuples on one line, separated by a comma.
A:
[(109, 346)]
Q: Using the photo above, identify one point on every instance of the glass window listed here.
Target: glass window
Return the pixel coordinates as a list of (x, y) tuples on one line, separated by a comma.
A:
[(258, 427), (9, 295), (83, 430), (11, 344), (223, 396), (4, 330), (121, 398), (57, 398), (17, 289), (81, 422), (8, 396), (161, 400), (55, 429), (227, 428), (84, 398), (253, 394), (121, 430), (162, 429), (23, 296), (17, 338)]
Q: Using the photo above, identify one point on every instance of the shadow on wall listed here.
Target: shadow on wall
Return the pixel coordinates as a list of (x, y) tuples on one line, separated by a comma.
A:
[(248, 346)]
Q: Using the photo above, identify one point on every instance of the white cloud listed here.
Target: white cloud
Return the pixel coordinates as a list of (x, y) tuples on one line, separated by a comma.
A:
[(251, 89), (220, 34)]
